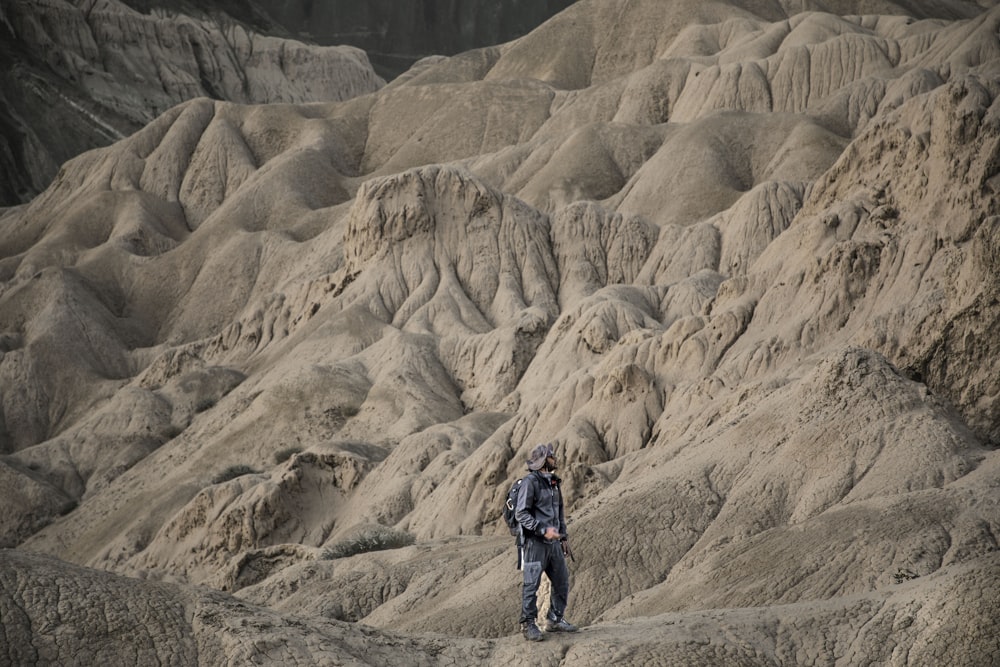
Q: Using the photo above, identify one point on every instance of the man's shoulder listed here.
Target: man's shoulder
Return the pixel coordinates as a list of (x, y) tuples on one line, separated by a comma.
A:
[(532, 479)]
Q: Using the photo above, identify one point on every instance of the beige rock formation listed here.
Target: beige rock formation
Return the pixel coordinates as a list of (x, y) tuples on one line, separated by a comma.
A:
[(737, 262)]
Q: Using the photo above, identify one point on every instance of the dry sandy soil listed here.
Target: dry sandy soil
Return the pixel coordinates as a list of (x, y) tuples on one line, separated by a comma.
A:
[(739, 261)]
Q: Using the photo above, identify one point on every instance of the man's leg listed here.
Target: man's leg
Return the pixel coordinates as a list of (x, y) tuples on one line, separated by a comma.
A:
[(558, 575), (533, 568)]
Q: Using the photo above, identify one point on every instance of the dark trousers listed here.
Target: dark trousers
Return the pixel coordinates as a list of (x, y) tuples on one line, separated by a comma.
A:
[(541, 556)]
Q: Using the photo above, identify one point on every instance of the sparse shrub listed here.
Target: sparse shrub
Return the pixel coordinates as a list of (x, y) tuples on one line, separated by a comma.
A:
[(204, 403), (232, 472), (338, 416), (283, 455), (376, 538)]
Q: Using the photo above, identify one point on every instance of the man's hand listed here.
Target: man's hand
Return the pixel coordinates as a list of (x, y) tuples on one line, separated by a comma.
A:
[(551, 533), (567, 552)]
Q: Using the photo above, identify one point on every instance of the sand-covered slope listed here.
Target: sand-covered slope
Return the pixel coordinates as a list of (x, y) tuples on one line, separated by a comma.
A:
[(739, 263)]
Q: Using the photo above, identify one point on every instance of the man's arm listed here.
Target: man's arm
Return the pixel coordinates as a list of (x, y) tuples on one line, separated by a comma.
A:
[(562, 517), (525, 501)]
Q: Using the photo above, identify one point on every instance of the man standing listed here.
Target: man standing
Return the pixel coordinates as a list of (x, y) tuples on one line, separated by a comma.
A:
[(539, 510)]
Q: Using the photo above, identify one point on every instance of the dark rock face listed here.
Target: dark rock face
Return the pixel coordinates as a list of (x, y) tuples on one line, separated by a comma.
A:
[(396, 33), (77, 78), (43, 122)]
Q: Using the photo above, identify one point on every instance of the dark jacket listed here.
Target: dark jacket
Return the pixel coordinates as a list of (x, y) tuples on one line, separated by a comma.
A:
[(540, 504)]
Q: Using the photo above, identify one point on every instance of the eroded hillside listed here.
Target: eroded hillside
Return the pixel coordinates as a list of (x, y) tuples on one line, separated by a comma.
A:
[(740, 268)]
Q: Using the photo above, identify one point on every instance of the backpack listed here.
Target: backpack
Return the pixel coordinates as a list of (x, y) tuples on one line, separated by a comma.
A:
[(509, 507)]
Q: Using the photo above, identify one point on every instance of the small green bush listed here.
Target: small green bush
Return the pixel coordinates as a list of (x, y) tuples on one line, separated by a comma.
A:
[(232, 472), (376, 538)]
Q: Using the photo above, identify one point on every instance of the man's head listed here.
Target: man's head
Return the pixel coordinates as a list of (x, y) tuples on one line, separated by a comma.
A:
[(543, 457)]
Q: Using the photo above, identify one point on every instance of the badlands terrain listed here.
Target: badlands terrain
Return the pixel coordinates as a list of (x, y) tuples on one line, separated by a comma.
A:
[(268, 369)]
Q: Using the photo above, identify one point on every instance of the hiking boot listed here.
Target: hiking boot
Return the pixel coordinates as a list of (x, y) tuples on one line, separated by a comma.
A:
[(531, 631), (562, 625)]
